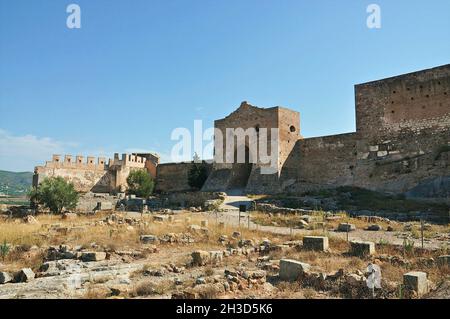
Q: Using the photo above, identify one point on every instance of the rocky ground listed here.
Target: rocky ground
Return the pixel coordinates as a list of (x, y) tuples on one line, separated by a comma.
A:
[(183, 254)]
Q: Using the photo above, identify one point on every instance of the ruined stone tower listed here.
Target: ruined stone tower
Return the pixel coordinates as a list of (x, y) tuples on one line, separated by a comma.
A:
[(249, 175)]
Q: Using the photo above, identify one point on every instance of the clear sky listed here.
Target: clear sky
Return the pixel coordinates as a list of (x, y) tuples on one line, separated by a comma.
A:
[(138, 69)]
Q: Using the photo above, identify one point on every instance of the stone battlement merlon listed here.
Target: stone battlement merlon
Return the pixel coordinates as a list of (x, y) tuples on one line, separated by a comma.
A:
[(96, 163), (130, 160), (79, 162)]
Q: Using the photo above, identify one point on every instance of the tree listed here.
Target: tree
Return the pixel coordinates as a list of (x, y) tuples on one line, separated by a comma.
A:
[(197, 175), (140, 183), (55, 193)]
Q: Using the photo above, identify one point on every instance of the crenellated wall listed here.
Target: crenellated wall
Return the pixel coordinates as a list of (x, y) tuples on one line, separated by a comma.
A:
[(401, 143), (93, 174)]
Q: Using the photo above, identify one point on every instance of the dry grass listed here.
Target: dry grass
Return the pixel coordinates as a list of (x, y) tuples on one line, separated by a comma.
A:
[(96, 293), (209, 271), (150, 288), (121, 237)]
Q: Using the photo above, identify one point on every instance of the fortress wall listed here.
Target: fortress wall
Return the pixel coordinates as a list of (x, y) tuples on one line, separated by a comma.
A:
[(400, 162), (402, 138), (84, 180), (407, 103), (318, 162), (93, 174), (404, 128), (78, 162), (173, 177)]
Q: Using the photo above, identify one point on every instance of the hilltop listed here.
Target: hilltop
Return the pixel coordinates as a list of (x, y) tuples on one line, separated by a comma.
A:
[(15, 183)]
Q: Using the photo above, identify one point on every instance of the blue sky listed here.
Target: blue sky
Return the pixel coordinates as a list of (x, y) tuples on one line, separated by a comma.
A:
[(138, 69)]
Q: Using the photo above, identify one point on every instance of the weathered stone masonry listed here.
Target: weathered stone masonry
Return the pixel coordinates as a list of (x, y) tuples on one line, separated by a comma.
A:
[(96, 175), (401, 143)]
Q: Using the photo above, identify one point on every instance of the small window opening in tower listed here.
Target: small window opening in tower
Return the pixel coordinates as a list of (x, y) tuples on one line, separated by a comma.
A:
[(292, 128)]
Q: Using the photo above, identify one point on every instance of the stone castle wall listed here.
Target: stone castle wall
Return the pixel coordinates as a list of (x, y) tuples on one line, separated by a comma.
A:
[(320, 161), (92, 175), (173, 177), (401, 144), (402, 140)]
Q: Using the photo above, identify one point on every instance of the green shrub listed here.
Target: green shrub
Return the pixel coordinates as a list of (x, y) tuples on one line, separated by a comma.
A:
[(56, 194), (197, 175), (140, 183), (4, 250)]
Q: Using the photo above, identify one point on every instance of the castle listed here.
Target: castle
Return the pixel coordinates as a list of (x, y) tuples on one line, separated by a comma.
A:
[(401, 145), (96, 175)]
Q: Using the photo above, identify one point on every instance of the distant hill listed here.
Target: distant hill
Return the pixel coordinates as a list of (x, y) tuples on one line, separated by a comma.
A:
[(15, 184)]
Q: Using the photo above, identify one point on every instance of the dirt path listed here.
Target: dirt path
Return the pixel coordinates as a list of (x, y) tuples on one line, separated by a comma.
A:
[(232, 202)]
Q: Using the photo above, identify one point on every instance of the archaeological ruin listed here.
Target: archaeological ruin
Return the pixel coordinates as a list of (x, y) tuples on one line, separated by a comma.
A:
[(401, 145)]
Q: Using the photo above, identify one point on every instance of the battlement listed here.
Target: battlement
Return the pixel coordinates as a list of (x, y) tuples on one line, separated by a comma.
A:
[(128, 160), (77, 162), (95, 163)]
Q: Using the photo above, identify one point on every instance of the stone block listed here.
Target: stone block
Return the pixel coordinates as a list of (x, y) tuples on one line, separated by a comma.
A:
[(105, 206), (93, 256), (362, 248), (204, 223), (200, 257), (216, 256), (346, 227), (374, 227), (25, 275), (317, 243), (160, 218), (444, 260), (291, 270), (148, 239), (5, 277), (416, 281), (280, 248)]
